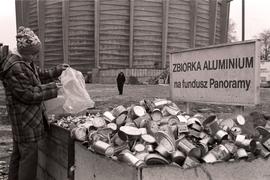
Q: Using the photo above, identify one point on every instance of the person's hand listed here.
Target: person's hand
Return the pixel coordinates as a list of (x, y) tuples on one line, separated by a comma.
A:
[(59, 88), (59, 85), (63, 66)]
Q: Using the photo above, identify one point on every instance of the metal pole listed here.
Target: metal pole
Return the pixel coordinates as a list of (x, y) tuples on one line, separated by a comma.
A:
[(243, 20)]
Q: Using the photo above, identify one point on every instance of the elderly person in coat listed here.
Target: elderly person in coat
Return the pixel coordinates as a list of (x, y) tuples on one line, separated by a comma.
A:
[(26, 87)]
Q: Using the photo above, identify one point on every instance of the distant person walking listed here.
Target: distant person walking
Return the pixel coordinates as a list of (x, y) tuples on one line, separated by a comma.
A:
[(120, 82)]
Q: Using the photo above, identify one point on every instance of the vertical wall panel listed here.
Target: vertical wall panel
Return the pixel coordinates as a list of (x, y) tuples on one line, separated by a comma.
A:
[(81, 34), (203, 24), (129, 33), (179, 25), (33, 19), (147, 33), (53, 45), (218, 22), (114, 33)]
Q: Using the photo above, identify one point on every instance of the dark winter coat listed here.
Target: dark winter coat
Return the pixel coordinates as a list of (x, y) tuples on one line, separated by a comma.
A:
[(25, 94), (121, 78)]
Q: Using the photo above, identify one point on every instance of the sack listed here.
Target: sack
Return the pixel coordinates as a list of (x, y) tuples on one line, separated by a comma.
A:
[(76, 96), (55, 105)]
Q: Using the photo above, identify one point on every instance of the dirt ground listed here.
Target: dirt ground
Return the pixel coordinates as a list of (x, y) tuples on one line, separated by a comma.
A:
[(106, 97)]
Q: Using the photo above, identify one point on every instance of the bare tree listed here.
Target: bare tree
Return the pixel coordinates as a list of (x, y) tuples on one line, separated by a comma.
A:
[(232, 31), (265, 39)]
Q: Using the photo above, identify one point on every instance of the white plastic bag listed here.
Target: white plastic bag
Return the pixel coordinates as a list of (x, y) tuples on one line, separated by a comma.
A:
[(76, 96), (55, 105)]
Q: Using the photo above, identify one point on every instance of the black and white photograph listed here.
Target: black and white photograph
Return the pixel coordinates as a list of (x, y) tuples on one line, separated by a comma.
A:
[(134, 90)]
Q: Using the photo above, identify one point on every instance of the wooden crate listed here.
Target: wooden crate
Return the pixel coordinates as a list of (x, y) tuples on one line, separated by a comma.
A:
[(92, 166), (56, 155)]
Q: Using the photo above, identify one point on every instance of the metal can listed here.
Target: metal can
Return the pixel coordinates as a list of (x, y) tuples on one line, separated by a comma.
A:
[(206, 139), (195, 126), (262, 150), (219, 152), (119, 110), (98, 122), (221, 135), (79, 133), (240, 120), (137, 111), (147, 138), (129, 158), (156, 115), (232, 148), (266, 143), (182, 118), (119, 149), (182, 128), (162, 150), (204, 148), (236, 131), (112, 126), (139, 147), (188, 148), (241, 153), (140, 121), (161, 102), (143, 130), (149, 148), (239, 139), (103, 148), (172, 110), (108, 116), (209, 121), (250, 145), (178, 157), (120, 120)]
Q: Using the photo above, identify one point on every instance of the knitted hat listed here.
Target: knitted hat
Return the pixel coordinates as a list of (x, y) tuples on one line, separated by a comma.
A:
[(27, 41)]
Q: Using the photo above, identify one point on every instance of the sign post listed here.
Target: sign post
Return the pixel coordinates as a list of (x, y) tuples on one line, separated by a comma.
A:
[(220, 74)]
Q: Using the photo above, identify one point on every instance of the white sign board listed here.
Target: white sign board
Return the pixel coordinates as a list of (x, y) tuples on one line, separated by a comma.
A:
[(221, 74)]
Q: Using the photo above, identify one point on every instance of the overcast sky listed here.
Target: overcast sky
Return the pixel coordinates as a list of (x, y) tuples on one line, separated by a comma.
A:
[(256, 18), (257, 13), (7, 22)]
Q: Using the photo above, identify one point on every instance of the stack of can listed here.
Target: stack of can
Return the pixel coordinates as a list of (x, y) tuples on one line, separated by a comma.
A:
[(158, 132)]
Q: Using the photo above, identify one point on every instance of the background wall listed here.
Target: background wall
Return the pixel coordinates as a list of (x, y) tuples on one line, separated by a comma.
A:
[(106, 34)]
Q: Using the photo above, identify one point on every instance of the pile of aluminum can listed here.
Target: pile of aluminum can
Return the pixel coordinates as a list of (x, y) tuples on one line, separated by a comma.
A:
[(158, 132)]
